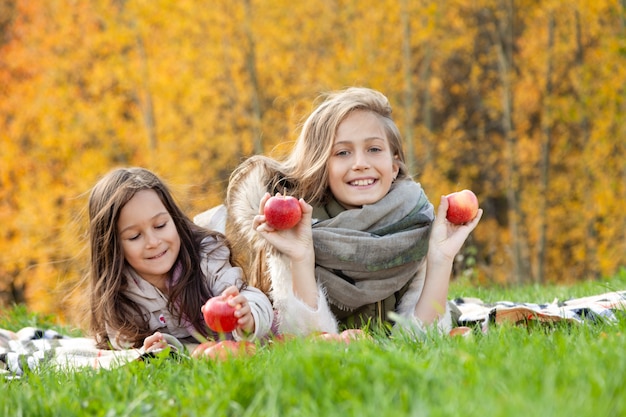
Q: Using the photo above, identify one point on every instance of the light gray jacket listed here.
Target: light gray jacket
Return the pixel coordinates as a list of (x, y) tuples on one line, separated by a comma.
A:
[(220, 274)]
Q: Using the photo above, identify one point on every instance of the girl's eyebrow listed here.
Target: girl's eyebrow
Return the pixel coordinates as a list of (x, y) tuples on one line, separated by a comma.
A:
[(369, 139), (152, 218)]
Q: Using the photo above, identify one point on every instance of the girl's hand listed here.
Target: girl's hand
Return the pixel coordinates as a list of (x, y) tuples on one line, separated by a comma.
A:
[(245, 319), (446, 239), (154, 342), (297, 242)]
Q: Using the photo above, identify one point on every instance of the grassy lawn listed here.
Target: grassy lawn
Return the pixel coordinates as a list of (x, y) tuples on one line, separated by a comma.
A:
[(562, 370)]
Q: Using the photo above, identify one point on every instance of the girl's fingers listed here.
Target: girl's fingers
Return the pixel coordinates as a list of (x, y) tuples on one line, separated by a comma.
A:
[(231, 291), (262, 203), (155, 341)]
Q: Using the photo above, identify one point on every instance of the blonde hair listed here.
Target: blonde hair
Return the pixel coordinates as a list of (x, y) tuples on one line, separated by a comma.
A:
[(304, 171)]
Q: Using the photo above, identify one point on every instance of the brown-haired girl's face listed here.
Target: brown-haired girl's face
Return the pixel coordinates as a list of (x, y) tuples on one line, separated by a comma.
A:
[(361, 167), (149, 237)]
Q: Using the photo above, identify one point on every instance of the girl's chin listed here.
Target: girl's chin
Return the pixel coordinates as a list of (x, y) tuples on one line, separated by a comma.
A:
[(357, 203)]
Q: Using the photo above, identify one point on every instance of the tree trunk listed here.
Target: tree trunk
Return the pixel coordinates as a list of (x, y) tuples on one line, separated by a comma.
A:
[(590, 243), (427, 108), (144, 96), (147, 108), (410, 91), (546, 122), (408, 87), (255, 104), (503, 41)]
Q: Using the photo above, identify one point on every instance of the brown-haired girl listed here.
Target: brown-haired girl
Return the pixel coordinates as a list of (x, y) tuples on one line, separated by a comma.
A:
[(152, 269)]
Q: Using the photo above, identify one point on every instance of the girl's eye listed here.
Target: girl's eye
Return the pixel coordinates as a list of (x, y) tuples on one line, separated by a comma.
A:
[(341, 153), (134, 237), (375, 149), (160, 226)]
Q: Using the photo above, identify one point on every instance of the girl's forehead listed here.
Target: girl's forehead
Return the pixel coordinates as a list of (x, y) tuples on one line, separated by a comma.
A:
[(144, 205), (360, 125)]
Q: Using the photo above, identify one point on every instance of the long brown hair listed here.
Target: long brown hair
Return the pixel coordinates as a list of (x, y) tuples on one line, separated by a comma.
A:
[(108, 270)]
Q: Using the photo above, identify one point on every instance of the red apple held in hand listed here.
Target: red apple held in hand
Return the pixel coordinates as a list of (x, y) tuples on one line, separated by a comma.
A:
[(219, 315), (282, 212), (462, 207)]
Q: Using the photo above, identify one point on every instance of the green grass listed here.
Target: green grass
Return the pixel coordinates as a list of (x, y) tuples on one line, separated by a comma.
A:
[(510, 371)]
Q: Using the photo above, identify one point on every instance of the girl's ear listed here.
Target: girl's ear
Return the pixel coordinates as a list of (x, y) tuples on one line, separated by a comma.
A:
[(396, 167)]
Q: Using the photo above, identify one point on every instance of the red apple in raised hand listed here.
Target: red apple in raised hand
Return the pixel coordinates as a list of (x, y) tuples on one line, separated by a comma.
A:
[(219, 315), (462, 207), (282, 212)]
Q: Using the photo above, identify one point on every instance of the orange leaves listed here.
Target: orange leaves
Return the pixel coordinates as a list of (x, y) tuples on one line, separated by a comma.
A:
[(188, 90)]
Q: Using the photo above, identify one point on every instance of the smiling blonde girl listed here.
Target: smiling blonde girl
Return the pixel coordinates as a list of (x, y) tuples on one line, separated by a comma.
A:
[(368, 243)]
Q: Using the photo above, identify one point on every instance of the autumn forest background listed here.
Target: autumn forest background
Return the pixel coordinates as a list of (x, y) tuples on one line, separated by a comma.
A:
[(522, 101)]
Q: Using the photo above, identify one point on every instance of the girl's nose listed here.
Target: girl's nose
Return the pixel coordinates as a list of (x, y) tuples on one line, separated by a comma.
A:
[(152, 240), (360, 161)]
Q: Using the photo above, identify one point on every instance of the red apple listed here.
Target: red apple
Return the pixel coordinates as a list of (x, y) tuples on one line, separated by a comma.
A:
[(462, 207), (328, 336), (201, 348), (219, 315), (462, 331), (347, 336), (354, 334), (282, 212), (228, 349)]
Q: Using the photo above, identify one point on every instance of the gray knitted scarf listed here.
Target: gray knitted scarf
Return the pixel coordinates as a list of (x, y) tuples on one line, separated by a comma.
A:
[(365, 255)]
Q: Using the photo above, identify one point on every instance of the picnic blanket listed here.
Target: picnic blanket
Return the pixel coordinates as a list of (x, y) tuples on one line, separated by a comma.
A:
[(32, 348), (39, 349), (597, 308)]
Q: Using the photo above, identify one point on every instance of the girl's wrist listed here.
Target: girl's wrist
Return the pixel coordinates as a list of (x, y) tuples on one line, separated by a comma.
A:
[(437, 257), (306, 257)]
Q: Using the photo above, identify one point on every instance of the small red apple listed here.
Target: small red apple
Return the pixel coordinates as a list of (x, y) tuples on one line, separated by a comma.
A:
[(219, 315), (354, 334), (462, 331), (201, 348), (227, 349), (327, 336), (282, 212), (347, 336), (462, 207)]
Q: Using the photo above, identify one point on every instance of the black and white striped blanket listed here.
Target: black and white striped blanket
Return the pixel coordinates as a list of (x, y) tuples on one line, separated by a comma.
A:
[(35, 349)]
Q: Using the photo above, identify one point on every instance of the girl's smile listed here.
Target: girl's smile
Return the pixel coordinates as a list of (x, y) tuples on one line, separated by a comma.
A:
[(159, 255), (363, 182)]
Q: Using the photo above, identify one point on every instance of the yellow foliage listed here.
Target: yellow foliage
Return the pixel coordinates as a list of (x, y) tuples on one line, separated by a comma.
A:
[(189, 90)]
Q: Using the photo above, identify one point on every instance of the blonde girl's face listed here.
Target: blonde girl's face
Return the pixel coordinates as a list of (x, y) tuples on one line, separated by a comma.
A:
[(361, 167), (149, 237)]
